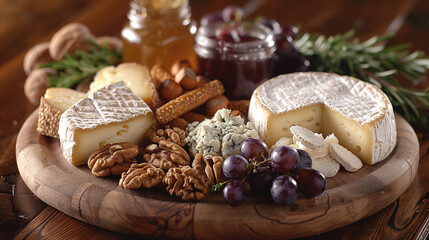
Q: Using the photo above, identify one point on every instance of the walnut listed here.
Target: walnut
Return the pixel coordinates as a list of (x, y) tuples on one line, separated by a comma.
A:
[(180, 123), (210, 166), (174, 134), (186, 183), (141, 175), (113, 159), (166, 155), (36, 84), (37, 55), (112, 43), (68, 39)]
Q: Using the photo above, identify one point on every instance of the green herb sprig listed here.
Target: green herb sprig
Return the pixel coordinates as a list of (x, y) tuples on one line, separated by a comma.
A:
[(83, 65), (372, 61)]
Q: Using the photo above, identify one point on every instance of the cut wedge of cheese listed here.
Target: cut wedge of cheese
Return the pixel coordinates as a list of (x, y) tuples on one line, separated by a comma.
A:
[(358, 113), (326, 165), (109, 115), (135, 76), (346, 158), (52, 105)]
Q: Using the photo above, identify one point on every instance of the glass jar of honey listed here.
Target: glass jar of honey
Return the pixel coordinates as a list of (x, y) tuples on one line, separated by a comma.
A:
[(239, 55), (159, 31)]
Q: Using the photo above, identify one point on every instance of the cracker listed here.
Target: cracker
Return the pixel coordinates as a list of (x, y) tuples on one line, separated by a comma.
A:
[(188, 101)]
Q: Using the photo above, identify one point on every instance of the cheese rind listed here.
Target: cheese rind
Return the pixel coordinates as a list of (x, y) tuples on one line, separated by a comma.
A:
[(358, 113), (111, 114), (135, 76), (52, 105)]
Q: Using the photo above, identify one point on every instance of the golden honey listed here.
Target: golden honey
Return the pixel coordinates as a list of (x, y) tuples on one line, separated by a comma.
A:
[(159, 31)]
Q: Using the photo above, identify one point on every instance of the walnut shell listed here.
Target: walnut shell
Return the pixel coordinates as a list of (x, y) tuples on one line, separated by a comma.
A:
[(112, 42), (37, 55), (70, 38), (36, 84)]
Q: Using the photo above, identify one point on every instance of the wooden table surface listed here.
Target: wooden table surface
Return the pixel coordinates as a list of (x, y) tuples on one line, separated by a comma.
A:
[(27, 22)]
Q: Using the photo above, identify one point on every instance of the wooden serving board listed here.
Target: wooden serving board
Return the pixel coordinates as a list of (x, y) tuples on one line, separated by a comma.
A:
[(153, 213)]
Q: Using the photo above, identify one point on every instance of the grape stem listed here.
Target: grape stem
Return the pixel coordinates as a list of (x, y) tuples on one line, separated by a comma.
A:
[(216, 187)]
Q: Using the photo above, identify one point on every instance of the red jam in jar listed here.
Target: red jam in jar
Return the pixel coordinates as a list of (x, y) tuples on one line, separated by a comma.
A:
[(239, 55)]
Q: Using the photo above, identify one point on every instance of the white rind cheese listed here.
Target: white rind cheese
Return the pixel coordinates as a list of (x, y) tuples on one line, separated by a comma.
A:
[(52, 105), (358, 113), (111, 114), (135, 76)]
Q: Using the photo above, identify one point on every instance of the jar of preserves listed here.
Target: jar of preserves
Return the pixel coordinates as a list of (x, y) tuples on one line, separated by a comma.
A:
[(239, 55), (159, 31)]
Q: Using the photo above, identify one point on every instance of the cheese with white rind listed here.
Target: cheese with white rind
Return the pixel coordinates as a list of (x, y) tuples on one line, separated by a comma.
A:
[(307, 138), (135, 76), (111, 114), (330, 139), (326, 165), (52, 105), (314, 153), (347, 159), (358, 113)]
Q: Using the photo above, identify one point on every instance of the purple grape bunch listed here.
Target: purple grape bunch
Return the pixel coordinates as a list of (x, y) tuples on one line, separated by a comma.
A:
[(285, 174)]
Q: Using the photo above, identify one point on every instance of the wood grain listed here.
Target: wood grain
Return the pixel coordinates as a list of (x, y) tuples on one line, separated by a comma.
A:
[(52, 224), (76, 192)]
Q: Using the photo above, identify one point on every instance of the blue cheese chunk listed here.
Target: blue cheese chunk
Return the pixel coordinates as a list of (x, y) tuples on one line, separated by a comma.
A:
[(222, 135)]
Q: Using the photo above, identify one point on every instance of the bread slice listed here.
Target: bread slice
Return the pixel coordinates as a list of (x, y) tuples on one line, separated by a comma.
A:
[(326, 165), (52, 105), (346, 158)]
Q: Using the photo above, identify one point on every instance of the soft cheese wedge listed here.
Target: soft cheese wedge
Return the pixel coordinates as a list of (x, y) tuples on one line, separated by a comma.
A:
[(358, 113), (52, 105), (135, 76), (111, 114)]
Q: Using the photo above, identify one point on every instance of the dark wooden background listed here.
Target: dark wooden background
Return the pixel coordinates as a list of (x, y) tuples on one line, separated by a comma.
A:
[(24, 23)]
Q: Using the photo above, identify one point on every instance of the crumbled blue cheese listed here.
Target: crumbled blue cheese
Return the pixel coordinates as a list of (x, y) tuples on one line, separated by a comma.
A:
[(222, 135)]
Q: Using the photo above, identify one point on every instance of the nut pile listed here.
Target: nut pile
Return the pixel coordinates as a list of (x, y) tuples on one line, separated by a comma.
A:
[(164, 161)]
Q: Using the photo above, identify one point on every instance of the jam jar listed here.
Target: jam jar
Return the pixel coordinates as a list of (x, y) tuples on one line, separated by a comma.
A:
[(159, 32), (239, 55)]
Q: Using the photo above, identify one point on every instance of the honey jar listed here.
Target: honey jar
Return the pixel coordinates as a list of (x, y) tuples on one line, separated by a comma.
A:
[(159, 31)]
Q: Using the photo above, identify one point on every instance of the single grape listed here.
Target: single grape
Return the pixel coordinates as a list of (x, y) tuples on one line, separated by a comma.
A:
[(235, 167), (234, 192), (253, 148), (233, 13), (311, 183), (262, 180), (284, 190), (284, 159), (211, 18), (290, 30), (304, 159), (271, 24)]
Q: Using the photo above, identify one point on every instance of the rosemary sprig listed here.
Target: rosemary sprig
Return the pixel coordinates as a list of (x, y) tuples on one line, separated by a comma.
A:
[(372, 61), (82, 66)]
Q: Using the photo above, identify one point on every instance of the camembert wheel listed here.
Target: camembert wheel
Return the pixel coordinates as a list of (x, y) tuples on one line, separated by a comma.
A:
[(358, 113)]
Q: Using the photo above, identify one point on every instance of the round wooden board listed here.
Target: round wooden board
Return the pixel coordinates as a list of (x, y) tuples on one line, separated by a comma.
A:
[(153, 213)]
